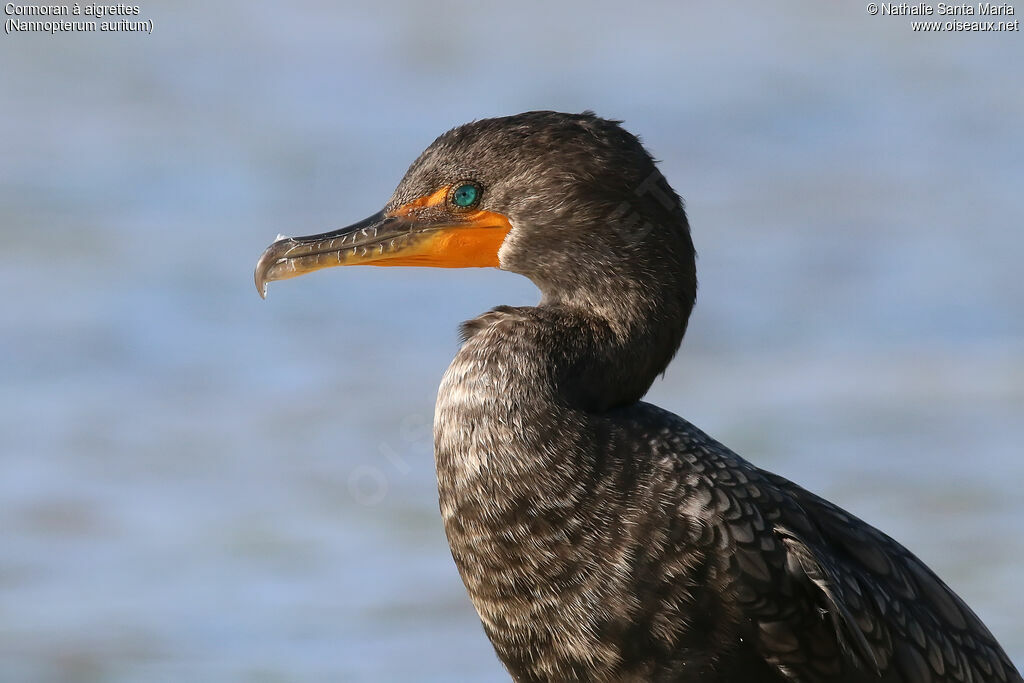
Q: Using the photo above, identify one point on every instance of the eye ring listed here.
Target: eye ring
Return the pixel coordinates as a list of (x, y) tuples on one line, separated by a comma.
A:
[(465, 194)]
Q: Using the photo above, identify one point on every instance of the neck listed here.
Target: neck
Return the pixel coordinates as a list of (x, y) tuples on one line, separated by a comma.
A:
[(526, 381), (608, 349), (615, 303)]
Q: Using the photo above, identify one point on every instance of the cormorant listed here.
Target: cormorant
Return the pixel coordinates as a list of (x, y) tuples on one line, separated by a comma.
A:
[(602, 538)]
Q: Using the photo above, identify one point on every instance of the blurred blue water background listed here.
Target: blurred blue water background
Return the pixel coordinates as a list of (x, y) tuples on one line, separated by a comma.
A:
[(199, 485)]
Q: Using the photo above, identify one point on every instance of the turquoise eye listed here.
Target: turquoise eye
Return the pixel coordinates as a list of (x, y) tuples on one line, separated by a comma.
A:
[(465, 195)]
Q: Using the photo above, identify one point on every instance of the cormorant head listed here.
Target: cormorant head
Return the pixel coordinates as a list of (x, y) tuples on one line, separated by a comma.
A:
[(572, 201)]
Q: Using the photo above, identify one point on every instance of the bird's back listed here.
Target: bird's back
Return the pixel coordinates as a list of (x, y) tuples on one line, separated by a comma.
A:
[(822, 595)]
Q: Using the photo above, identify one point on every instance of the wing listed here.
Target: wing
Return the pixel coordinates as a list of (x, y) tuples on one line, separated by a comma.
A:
[(891, 613), (826, 596)]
